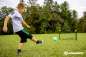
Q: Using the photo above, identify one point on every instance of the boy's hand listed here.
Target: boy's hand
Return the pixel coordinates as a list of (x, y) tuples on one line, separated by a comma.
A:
[(28, 26), (5, 29)]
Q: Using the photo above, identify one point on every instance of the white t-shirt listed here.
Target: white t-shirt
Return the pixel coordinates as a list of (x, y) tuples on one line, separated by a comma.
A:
[(16, 21)]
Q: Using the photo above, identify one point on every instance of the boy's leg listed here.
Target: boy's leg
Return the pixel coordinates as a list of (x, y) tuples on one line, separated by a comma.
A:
[(31, 37), (20, 46), (36, 40), (23, 39)]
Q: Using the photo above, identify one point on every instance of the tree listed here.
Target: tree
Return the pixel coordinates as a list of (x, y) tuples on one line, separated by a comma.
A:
[(74, 21), (68, 16), (5, 11), (82, 23), (51, 17)]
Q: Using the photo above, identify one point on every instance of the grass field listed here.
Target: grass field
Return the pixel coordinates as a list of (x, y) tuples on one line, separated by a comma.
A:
[(50, 48)]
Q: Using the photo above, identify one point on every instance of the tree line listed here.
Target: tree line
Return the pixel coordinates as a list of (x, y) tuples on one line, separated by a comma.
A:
[(51, 17)]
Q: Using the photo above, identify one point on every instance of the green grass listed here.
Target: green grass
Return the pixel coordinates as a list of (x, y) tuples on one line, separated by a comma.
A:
[(50, 48)]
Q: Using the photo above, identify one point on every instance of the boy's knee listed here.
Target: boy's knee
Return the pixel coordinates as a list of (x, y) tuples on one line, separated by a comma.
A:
[(23, 40), (30, 36)]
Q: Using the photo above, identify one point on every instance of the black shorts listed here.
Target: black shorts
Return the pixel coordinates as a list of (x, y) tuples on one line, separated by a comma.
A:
[(24, 35)]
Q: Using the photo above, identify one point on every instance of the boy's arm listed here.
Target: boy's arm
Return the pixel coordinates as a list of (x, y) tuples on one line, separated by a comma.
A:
[(5, 23), (24, 23)]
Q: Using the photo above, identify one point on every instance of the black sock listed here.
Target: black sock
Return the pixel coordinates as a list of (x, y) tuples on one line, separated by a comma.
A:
[(38, 42), (19, 50)]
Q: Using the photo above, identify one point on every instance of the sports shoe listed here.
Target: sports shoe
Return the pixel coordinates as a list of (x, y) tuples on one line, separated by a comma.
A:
[(18, 51), (39, 42)]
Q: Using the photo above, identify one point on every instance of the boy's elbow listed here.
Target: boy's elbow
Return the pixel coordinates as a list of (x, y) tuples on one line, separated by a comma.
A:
[(7, 17)]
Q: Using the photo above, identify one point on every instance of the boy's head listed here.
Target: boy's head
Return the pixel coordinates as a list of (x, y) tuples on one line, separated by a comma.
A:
[(21, 7)]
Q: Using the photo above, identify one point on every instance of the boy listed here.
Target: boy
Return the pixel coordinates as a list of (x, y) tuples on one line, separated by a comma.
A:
[(17, 22)]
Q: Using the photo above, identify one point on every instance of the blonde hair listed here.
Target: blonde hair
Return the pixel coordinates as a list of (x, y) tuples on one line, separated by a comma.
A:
[(21, 6)]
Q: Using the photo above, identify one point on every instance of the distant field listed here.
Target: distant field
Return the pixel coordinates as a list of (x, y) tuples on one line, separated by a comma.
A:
[(50, 48)]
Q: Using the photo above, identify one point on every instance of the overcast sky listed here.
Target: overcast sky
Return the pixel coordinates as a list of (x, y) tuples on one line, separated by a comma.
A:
[(78, 5)]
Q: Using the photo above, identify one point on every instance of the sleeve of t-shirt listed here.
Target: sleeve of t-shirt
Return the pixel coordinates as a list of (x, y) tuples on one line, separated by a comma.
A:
[(11, 14), (18, 15), (21, 18)]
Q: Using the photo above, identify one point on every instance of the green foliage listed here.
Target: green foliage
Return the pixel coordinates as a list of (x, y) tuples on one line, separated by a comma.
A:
[(50, 18), (5, 11), (82, 24), (49, 48)]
